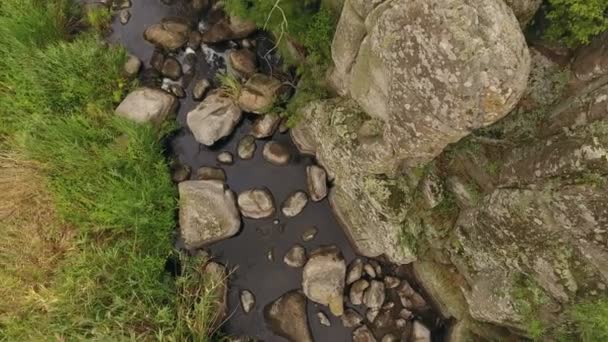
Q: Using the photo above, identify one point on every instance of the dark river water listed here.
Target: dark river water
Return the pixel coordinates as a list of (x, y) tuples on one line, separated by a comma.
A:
[(247, 252)]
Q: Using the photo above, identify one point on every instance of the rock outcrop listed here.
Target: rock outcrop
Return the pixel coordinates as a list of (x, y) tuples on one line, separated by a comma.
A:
[(207, 212), (421, 75)]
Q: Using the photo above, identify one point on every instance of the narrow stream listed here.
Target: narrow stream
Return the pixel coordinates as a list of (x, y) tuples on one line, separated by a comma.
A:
[(247, 253)]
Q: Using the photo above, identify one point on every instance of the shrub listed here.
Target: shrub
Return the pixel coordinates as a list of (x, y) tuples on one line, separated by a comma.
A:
[(576, 21)]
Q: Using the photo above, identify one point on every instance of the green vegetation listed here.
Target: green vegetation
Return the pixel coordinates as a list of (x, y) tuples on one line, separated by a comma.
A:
[(295, 23), (575, 22), (99, 18), (590, 321), (529, 298), (86, 189), (229, 85)]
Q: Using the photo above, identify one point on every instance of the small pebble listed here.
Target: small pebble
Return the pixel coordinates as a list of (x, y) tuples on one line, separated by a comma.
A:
[(309, 234), (225, 158), (247, 301), (125, 16), (323, 319), (369, 269)]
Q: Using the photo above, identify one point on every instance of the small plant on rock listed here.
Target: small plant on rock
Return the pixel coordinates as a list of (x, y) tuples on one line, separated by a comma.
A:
[(576, 21)]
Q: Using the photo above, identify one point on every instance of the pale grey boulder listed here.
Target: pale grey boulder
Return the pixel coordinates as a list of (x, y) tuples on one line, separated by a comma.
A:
[(207, 213), (323, 278), (145, 105), (423, 75), (213, 119)]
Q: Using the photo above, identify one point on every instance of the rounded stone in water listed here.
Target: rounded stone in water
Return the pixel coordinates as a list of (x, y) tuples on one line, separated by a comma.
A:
[(246, 147), (294, 204), (247, 300), (256, 203), (225, 158), (309, 234), (276, 153), (210, 173), (295, 256)]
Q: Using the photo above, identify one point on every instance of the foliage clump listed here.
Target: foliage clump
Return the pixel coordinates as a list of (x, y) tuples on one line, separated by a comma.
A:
[(575, 22)]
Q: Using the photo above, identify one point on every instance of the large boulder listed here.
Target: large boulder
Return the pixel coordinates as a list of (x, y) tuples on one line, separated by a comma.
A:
[(287, 317), (430, 71), (416, 76), (169, 34), (207, 212), (323, 278), (147, 105), (214, 118)]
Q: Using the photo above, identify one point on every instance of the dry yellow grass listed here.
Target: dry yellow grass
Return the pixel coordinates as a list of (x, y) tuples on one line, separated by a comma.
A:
[(33, 240)]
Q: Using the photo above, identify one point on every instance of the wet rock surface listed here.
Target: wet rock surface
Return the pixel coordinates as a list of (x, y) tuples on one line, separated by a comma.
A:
[(287, 317), (276, 153)]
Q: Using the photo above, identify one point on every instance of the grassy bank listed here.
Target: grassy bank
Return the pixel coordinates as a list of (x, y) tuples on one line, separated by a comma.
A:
[(92, 190)]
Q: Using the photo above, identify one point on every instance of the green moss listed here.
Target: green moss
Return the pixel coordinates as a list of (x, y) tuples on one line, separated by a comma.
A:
[(529, 298), (575, 22)]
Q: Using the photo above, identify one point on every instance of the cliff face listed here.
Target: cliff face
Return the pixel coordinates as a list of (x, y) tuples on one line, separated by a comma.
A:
[(429, 168)]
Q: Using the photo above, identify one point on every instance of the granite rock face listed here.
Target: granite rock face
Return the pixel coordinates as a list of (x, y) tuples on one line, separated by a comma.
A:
[(415, 76)]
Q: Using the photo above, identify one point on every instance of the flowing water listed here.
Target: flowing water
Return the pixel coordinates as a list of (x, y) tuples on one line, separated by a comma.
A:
[(247, 253)]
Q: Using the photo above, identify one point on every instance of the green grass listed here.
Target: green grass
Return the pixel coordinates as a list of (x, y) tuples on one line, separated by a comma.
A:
[(590, 321), (107, 179), (100, 18)]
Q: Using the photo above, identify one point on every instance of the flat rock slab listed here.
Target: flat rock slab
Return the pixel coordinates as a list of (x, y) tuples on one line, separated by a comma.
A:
[(207, 213), (145, 105)]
